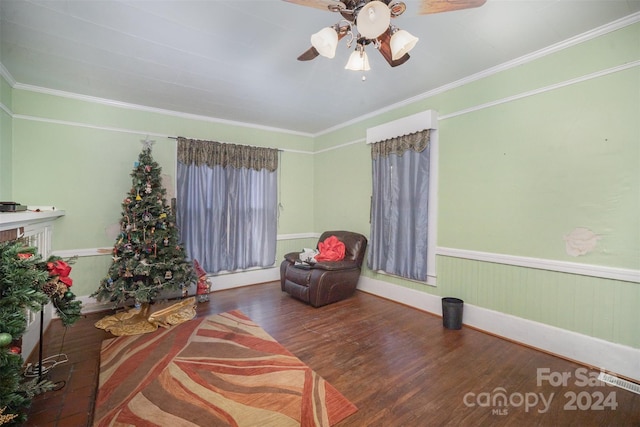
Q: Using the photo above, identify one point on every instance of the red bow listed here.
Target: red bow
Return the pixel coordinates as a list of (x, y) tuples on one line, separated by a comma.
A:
[(331, 249), (62, 270)]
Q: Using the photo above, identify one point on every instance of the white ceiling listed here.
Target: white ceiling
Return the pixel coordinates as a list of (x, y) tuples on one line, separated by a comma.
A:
[(236, 60)]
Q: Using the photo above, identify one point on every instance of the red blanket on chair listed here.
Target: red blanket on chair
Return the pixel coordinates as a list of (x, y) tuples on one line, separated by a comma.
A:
[(331, 249)]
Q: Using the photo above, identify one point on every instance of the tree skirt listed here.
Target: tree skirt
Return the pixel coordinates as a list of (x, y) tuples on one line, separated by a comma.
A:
[(138, 320), (215, 371)]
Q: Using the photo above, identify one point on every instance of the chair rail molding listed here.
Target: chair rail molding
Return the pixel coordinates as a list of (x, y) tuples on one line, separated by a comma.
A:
[(627, 275)]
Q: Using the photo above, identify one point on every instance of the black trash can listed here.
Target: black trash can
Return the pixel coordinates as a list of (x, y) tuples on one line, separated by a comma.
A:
[(452, 313)]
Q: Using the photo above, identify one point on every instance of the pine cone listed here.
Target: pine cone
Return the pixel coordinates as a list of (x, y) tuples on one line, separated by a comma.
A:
[(50, 288), (61, 289)]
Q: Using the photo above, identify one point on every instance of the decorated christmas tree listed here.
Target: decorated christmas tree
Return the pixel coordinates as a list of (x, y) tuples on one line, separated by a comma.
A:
[(27, 283), (147, 256)]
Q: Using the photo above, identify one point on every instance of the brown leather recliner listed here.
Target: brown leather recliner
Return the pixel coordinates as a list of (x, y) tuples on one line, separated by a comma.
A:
[(325, 282)]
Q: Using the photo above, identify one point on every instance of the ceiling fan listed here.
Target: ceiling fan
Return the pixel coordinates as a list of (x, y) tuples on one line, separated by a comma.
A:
[(372, 19)]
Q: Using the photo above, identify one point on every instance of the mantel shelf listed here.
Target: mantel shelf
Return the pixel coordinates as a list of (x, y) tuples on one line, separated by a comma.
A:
[(11, 220)]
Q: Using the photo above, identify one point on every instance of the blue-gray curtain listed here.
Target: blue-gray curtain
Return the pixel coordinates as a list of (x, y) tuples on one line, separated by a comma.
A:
[(399, 206), (227, 204)]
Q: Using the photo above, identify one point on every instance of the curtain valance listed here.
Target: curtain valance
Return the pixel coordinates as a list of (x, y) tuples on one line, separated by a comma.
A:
[(416, 141), (213, 153)]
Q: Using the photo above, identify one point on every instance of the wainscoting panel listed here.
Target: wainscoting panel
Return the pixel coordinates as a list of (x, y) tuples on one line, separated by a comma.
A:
[(293, 245), (598, 307)]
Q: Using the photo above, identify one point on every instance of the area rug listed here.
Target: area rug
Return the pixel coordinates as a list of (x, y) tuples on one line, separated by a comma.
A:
[(221, 370)]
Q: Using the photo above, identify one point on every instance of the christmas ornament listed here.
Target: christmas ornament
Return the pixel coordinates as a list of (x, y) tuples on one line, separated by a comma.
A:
[(69, 295), (15, 350), (204, 285), (144, 257), (5, 339)]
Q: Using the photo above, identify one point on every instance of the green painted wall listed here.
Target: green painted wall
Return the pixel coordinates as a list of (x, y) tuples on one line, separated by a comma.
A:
[(342, 190), (6, 139), (514, 179), (84, 153), (528, 172)]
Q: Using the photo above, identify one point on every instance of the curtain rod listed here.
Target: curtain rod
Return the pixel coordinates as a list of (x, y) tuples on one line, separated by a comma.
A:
[(175, 137)]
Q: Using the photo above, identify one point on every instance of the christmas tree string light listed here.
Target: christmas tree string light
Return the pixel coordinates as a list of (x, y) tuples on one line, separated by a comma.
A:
[(147, 256)]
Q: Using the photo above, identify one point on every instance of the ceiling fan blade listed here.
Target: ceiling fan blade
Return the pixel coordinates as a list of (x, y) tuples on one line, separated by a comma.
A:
[(437, 6), (308, 54), (385, 50), (330, 5)]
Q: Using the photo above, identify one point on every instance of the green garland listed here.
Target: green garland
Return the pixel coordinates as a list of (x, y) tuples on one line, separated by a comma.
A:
[(64, 301), (26, 283)]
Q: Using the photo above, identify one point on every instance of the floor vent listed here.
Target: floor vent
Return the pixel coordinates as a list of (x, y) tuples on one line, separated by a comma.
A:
[(624, 384)]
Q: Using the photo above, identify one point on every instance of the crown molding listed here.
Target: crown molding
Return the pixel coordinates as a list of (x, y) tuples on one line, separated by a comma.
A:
[(7, 75), (136, 107), (534, 92), (543, 89), (573, 41)]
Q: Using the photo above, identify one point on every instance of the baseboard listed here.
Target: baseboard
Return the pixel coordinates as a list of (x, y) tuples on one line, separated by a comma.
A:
[(250, 277), (594, 352)]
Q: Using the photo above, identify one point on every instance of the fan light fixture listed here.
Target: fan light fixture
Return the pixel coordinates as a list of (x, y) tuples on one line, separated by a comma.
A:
[(325, 41), (367, 22), (358, 61), (401, 43), (373, 19)]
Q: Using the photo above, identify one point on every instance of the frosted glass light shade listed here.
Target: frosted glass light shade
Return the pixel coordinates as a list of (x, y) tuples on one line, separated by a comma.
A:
[(402, 42), (373, 19), (358, 61), (325, 41)]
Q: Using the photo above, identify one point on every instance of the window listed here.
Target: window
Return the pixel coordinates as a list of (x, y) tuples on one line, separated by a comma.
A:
[(403, 223), (227, 204)]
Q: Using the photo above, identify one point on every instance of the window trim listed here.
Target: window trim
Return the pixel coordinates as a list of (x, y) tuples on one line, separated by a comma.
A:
[(424, 120)]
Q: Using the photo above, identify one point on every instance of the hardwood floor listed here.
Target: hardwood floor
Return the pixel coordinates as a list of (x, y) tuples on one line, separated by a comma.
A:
[(398, 365)]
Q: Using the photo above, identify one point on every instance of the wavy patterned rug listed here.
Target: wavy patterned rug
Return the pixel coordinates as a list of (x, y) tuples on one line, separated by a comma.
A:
[(222, 370)]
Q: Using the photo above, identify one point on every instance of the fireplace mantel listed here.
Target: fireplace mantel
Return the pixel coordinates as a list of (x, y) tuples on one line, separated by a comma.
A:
[(36, 227), (13, 220)]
